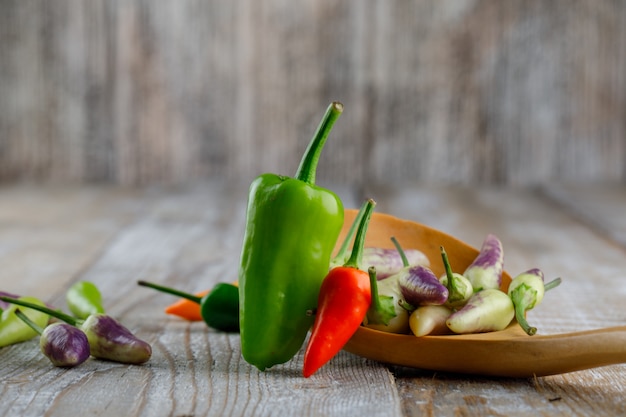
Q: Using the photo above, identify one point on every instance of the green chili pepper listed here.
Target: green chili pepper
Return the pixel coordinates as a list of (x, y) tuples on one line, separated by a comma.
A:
[(219, 308), (13, 329), (84, 299), (292, 226)]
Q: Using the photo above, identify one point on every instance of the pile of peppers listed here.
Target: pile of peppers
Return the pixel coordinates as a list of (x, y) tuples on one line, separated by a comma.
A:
[(89, 332)]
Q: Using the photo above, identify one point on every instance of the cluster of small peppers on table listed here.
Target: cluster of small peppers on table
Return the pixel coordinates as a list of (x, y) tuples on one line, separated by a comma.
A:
[(69, 340)]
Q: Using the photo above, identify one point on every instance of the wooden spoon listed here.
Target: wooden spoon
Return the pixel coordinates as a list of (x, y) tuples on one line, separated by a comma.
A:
[(508, 353)]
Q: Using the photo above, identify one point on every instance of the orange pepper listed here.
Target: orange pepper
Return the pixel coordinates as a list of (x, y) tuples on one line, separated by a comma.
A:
[(187, 309)]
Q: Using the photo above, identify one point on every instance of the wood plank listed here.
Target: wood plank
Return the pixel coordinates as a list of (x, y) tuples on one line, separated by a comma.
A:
[(190, 237), (535, 233), (187, 239), (601, 206), (133, 92), (50, 235)]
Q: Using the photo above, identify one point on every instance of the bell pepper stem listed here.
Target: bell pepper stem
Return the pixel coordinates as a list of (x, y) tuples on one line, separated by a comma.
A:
[(170, 291), (405, 261), (29, 322), (54, 313), (356, 256), (308, 165)]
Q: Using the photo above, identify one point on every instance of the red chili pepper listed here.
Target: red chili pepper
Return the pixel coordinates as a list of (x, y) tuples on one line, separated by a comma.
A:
[(344, 299)]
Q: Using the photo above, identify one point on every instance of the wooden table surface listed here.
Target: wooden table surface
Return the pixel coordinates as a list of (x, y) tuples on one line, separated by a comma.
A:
[(51, 237)]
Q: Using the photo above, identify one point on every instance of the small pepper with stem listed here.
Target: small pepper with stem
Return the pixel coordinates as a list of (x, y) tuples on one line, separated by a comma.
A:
[(418, 284), (388, 311), (486, 311), (63, 344), (344, 298), (108, 338), (219, 308), (12, 329), (526, 291), (459, 288)]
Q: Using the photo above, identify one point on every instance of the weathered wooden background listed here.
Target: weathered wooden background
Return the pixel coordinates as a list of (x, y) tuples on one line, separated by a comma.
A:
[(136, 92)]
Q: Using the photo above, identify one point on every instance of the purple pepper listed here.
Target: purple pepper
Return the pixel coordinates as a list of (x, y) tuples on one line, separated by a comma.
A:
[(64, 345), (109, 339), (389, 261), (420, 286), (486, 270)]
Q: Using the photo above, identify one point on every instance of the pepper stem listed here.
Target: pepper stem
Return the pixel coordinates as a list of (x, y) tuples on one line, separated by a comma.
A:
[(374, 288), (452, 288), (308, 165), (405, 261), (54, 313), (28, 321), (359, 241), (552, 284), (518, 297), (342, 255), (171, 291)]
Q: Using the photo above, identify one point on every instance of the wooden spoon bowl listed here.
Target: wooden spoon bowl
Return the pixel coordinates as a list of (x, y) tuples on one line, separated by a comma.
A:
[(507, 353)]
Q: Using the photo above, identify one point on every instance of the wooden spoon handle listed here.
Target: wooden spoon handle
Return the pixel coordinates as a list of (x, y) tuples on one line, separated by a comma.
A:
[(561, 353), (503, 354)]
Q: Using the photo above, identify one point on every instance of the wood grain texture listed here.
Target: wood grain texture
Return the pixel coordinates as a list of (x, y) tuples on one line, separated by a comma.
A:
[(189, 238), (464, 92)]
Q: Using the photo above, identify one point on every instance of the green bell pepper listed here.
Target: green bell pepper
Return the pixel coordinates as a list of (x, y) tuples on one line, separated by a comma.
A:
[(13, 329), (291, 229)]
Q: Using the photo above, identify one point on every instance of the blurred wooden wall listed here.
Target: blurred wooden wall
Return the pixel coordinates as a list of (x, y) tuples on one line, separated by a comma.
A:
[(137, 92)]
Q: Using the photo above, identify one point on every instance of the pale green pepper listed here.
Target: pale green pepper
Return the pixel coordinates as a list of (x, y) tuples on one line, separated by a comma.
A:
[(13, 329)]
